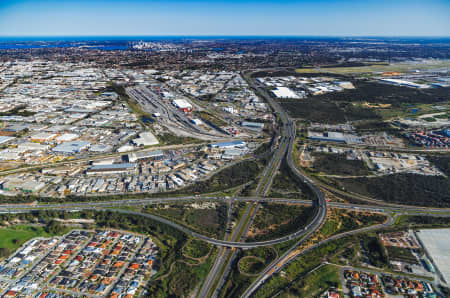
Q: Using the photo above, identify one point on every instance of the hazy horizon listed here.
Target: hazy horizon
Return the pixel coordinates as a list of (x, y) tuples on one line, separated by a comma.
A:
[(327, 18)]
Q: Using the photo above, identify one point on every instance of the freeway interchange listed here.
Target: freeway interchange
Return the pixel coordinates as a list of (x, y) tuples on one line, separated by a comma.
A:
[(144, 97), (284, 151)]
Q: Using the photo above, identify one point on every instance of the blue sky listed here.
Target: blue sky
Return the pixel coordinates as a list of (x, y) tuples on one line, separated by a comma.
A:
[(245, 17)]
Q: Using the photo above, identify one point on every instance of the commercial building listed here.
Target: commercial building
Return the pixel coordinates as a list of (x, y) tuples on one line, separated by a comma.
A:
[(146, 155), (285, 92), (100, 148), (121, 168), (333, 136), (404, 83), (29, 185), (67, 137), (232, 144), (31, 147), (327, 136), (43, 137), (4, 139), (71, 147), (146, 139), (32, 186), (436, 243), (182, 105), (253, 125)]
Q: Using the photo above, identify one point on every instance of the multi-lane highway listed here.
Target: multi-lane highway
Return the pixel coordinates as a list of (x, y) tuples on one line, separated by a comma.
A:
[(284, 150), (223, 263), (290, 255), (288, 134), (7, 208), (287, 138)]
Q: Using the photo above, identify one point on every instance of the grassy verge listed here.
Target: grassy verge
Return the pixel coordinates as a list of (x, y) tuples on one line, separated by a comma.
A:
[(209, 220), (285, 184), (197, 249), (11, 238), (241, 275), (314, 283), (277, 220)]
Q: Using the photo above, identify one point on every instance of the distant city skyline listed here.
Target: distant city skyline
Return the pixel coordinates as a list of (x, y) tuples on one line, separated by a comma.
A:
[(224, 18)]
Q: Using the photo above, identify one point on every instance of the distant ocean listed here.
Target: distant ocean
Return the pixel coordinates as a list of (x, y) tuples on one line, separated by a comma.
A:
[(123, 42), (9, 46)]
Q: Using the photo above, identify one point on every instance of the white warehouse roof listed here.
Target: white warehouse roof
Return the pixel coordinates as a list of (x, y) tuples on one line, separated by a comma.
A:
[(181, 104), (284, 92)]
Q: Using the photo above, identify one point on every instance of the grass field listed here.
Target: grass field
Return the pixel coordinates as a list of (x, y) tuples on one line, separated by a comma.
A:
[(277, 220), (12, 238), (405, 110), (251, 265), (210, 221), (338, 164), (377, 68), (315, 283), (401, 254)]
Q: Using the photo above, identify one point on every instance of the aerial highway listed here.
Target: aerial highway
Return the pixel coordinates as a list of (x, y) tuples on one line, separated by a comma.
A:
[(225, 259), (5, 208), (291, 254), (283, 151), (288, 134), (179, 227), (287, 138), (221, 263)]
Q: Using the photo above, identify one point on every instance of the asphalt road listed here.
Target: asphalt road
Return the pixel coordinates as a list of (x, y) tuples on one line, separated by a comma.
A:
[(287, 133), (284, 151), (288, 256), (166, 200), (286, 143)]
